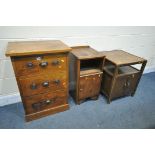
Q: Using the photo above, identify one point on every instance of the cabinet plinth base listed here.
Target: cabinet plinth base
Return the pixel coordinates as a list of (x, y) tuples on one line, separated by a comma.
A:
[(31, 117)]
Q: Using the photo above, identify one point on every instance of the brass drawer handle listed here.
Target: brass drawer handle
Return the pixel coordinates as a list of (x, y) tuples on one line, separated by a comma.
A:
[(45, 84), (33, 86), (43, 64), (57, 82), (55, 62), (29, 65)]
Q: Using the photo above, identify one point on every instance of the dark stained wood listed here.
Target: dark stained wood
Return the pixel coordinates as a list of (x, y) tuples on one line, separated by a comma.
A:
[(124, 85), (42, 79), (23, 48), (87, 64), (120, 57), (119, 77)]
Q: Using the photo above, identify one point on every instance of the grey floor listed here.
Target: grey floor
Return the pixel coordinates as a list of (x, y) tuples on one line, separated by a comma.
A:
[(129, 112)]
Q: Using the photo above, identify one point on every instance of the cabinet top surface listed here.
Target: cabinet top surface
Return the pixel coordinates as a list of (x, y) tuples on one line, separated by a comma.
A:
[(36, 47), (120, 57), (85, 52)]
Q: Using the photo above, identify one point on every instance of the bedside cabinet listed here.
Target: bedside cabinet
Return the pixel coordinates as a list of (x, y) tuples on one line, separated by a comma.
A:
[(85, 73), (41, 70), (120, 75)]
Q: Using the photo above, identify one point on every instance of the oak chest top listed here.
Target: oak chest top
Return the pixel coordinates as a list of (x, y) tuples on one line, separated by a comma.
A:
[(36, 47), (85, 52), (120, 57)]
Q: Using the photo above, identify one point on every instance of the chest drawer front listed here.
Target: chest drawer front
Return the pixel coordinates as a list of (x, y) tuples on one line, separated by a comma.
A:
[(31, 65), (89, 86), (43, 83), (45, 101)]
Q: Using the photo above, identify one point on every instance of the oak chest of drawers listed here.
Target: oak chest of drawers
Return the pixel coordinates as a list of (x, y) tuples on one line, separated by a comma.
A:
[(85, 73), (121, 74), (41, 70)]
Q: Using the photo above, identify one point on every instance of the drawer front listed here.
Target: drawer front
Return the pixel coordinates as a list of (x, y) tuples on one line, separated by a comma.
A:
[(125, 85), (45, 101), (31, 65), (89, 86), (43, 83)]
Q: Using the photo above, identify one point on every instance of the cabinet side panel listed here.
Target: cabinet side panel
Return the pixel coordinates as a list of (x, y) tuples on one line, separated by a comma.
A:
[(72, 74), (106, 83)]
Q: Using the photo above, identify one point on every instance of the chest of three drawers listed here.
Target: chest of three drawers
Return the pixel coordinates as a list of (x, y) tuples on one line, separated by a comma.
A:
[(41, 70)]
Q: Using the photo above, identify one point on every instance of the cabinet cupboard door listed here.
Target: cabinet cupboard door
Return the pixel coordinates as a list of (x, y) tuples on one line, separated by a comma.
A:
[(125, 85), (132, 82), (119, 87), (96, 84), (84, 87), (89, 86)]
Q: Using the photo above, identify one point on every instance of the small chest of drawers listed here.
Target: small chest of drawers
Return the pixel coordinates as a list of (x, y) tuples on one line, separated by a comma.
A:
[(41, 70)]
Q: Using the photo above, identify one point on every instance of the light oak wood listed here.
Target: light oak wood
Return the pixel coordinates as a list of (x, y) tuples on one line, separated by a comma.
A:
[(85, 52), (41, 70), (36, 47), (44, 113), (90, 71), (21, 64)]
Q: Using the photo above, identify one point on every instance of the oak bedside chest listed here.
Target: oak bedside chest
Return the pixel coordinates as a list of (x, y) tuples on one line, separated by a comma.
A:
[(120, 77), (85, 73), (41, 70)]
